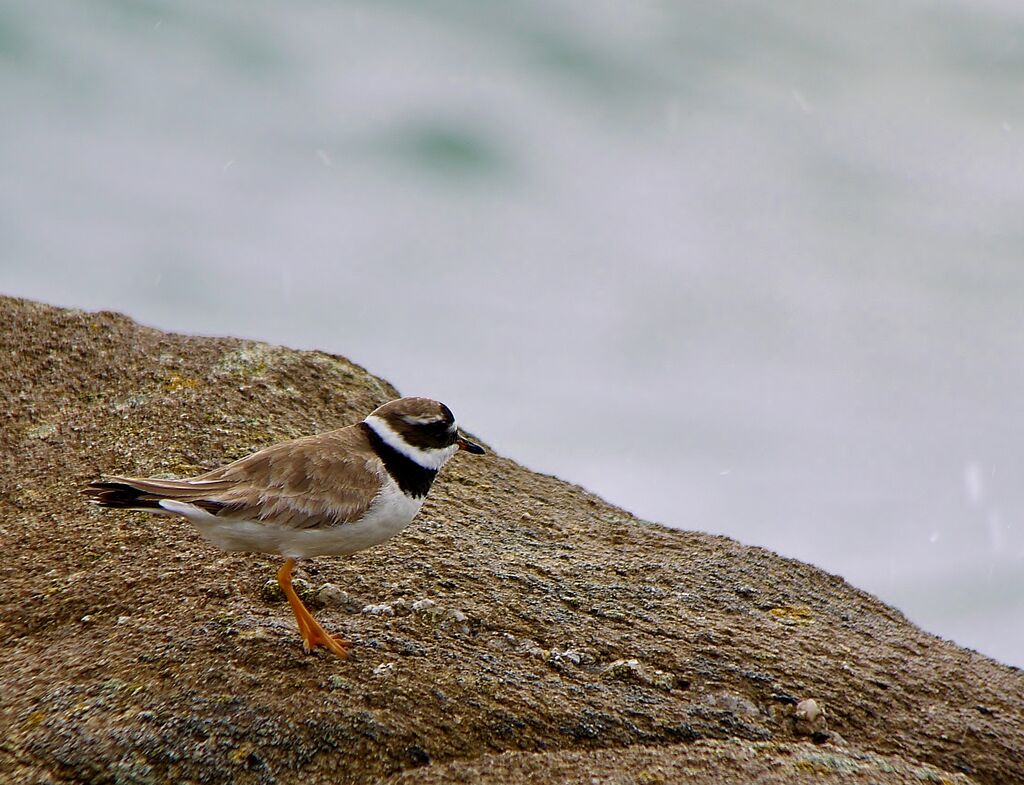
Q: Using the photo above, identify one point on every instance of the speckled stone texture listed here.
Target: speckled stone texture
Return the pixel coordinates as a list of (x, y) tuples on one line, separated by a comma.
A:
[(521, 630)]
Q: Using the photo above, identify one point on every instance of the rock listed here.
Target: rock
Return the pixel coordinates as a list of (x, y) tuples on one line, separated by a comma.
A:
[(400, 607), (378, 610), (664, 681), (503, 642), (270, 591), (330, 596), (634, 670), (43, 431), (792, 615), (809, 719), (628, 670), (455, 616), (208, 682), (256, 634), (565, 659), (808, 711), (731, 702), (441, 616), (531, 649), (457, 620), (336, 682), (711, 761)]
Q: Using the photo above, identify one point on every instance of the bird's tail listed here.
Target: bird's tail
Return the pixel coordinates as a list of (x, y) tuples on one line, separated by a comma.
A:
[(120, 495), (145, 494)]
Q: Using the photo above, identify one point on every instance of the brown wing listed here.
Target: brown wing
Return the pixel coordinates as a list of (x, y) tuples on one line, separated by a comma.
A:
[(314, 481)]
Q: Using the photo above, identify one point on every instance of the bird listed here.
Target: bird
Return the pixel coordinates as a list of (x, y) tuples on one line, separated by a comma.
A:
[(330, 494)]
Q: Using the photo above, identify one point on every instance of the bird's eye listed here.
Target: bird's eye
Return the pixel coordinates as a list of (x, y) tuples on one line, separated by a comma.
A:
[(442, 433)]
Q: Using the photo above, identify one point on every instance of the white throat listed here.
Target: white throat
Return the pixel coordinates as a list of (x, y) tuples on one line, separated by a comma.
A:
[(427, 458)]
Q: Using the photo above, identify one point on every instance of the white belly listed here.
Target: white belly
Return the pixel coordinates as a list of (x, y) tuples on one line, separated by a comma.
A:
[(391, 512)]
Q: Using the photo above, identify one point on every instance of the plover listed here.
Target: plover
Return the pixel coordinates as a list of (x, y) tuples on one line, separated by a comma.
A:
[(326, 495)]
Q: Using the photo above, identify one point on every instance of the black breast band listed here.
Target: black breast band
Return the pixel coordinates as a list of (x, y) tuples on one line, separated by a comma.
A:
[(413, 479)]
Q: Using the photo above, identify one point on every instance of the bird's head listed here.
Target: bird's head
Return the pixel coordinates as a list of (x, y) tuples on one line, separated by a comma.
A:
[(421, 429)]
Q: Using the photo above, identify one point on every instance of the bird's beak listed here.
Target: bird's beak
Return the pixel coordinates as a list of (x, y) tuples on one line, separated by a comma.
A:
[(468, 446)]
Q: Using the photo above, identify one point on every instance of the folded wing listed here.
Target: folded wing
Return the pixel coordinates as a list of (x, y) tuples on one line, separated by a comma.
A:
[(315, 481)]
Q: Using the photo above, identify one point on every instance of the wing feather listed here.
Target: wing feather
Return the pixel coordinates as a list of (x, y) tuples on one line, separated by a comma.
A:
[(315, 481)]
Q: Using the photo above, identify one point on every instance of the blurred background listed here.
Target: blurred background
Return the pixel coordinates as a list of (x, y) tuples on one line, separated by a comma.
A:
[(747, 268)]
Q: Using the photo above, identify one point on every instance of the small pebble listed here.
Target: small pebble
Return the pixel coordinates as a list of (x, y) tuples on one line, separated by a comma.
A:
[(330, 595), (501, 642), (628, 670), (561, 659), (663, 681), (400, 606), (809, 719), (531, 649), (808, 710), (731, 702)]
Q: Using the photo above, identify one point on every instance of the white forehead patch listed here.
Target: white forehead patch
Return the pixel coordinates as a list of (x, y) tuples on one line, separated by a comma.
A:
[(422, 419)]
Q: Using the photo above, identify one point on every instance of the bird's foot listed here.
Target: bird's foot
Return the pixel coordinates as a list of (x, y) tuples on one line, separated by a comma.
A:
[(315, 636)]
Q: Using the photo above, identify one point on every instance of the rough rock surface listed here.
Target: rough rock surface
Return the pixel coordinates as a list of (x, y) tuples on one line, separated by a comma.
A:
[(520, 630), (732, 760)]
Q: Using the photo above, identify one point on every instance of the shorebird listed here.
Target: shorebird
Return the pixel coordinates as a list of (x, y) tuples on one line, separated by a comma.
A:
[(326, 495)]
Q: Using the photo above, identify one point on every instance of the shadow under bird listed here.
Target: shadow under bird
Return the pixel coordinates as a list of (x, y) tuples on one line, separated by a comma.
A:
[(326, 495)]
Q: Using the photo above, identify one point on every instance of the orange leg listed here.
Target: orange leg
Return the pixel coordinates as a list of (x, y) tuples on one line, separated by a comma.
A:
[(312, 633)]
